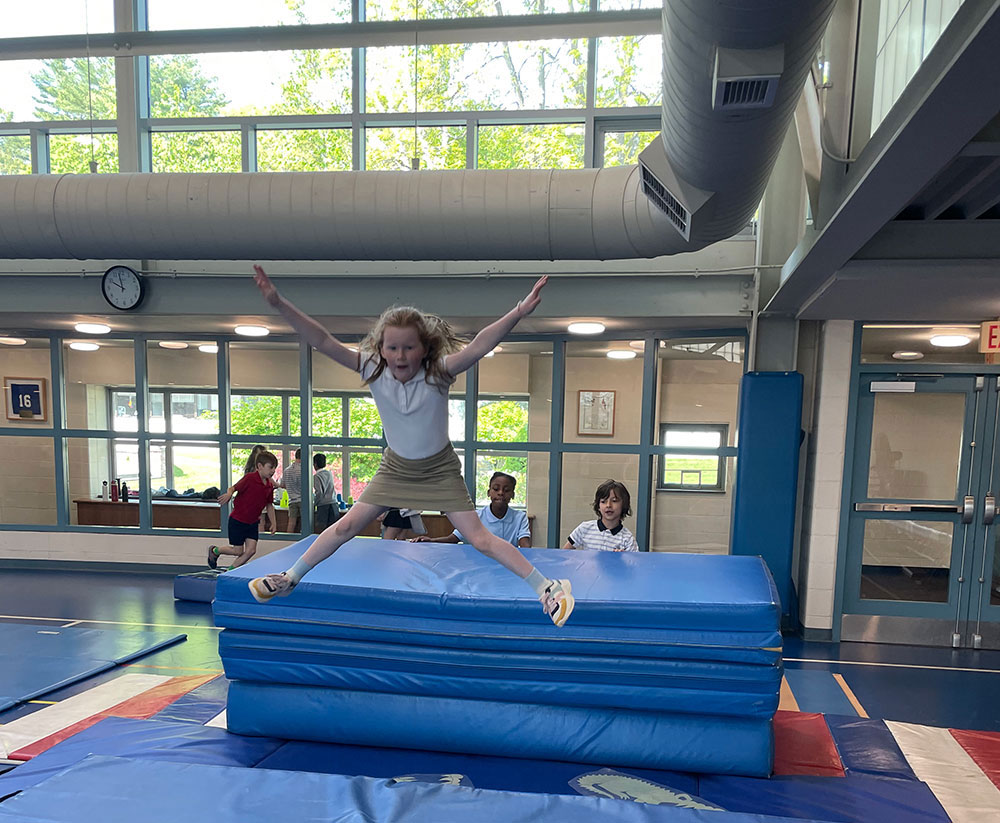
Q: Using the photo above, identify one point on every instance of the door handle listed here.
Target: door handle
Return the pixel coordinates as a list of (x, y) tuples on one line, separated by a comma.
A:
[(967, 509), (989, 509)]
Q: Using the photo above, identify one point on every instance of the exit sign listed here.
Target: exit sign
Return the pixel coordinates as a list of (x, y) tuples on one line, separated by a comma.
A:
[(989, 336)]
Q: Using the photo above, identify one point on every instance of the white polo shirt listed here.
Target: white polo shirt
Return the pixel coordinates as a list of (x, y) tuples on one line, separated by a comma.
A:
[(414, 414), (511, 527), (593, 534)]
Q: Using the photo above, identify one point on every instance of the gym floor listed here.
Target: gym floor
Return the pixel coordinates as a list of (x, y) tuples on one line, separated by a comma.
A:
[(928, 686)]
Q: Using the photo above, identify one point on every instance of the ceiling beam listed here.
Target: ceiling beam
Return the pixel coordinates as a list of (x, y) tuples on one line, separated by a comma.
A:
[(907, 240), (942, 109)]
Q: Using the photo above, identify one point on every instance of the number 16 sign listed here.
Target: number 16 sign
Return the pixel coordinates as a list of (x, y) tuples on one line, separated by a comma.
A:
[(24, 398)]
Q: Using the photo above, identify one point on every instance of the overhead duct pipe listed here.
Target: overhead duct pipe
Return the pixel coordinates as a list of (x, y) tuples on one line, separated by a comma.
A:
[(709, 163)]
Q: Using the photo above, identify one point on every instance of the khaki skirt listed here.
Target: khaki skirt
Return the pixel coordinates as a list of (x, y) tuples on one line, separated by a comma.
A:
[(431, 483)]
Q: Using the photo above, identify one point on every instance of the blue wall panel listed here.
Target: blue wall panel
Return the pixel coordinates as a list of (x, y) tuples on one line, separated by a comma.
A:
[(767, 473)]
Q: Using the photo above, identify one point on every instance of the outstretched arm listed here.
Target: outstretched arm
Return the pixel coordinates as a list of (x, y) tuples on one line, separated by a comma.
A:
[(309, 330), (487, 340)]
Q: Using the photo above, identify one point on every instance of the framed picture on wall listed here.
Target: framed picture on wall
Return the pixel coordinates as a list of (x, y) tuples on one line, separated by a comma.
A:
[(597, 413), (24, 398)]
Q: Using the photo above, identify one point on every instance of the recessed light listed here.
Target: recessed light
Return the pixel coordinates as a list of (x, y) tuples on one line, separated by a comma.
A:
[(950, 340), (252, 331), (92, 328), (80, 345), (621, 354), (209, 348), (13, 341), (173, 344), (585, 328), (638, 345), (908, 355)]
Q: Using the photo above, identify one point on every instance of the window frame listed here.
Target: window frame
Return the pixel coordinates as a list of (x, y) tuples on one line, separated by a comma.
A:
[(719, 487)]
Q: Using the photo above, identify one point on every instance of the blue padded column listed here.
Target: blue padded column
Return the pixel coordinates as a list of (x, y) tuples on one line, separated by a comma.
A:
[(767, 473)]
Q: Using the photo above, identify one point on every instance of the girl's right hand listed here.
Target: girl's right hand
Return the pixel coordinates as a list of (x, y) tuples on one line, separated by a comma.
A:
[(267, 288)]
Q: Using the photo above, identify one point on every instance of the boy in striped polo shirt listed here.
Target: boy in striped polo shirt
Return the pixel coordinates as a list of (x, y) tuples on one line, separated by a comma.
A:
[(612, 503)]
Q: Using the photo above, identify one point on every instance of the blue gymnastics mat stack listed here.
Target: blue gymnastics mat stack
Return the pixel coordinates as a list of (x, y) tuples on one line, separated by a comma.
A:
[(669, 661)]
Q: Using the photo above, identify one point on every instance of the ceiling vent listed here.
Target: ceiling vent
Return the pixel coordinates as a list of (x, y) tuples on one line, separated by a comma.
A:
[(675, 198), (746, 78)]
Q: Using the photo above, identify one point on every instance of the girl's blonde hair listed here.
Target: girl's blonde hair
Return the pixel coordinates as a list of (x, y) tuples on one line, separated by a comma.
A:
[(434, 332)]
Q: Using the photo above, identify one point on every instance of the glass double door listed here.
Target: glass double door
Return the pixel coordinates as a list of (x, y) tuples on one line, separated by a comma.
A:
[(923, 565)]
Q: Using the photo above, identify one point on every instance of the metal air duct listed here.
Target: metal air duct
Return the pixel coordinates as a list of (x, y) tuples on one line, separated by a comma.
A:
[(705, 173)]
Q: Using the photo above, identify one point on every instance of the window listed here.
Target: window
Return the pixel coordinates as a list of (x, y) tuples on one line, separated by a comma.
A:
[(693, 472)]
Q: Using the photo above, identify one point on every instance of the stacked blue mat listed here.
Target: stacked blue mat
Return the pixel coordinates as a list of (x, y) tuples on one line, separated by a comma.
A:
[(669, 661)]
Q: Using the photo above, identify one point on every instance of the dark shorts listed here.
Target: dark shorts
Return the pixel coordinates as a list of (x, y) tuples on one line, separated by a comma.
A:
[(394, 519), (239, 531)]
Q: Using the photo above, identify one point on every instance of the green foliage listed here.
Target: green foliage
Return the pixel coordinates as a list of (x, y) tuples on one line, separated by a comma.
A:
[(327, 417), (15, 150), (458, 77), (365, 421), (502, 421), (255, 414), (70, 89)]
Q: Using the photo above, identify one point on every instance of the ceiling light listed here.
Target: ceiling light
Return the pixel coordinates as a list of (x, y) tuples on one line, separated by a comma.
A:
[(12, 341), (92, 328), (491, 353), (908, 355), (173, 344), (585, 328), (638, 345), (80, 345), (209, 348), (621, 354), (252, 331), (950, 340)]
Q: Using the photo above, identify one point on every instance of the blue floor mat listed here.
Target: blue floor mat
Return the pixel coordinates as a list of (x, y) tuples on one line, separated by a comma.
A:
[(116, 790), (34, 661)]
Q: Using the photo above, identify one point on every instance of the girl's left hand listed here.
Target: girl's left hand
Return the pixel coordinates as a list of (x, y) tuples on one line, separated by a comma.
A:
[(530, 303)]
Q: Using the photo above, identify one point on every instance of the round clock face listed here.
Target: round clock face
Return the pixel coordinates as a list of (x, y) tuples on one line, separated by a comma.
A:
[(122, 287)]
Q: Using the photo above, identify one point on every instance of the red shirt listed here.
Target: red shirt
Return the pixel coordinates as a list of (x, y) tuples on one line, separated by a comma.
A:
[(253, 493)]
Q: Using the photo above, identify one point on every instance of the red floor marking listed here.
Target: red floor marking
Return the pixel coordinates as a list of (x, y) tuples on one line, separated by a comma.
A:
[(984, 749), (803, 745), (140, 707)]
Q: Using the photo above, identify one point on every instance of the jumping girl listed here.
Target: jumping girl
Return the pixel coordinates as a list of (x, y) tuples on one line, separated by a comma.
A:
[(408, 361)]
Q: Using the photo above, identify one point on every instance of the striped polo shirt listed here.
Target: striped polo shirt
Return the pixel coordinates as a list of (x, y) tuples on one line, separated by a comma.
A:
[(593, 534)]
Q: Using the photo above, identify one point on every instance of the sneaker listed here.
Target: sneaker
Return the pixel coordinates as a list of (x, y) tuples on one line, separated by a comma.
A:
[(264, 588), (558, 601), (213, 558)]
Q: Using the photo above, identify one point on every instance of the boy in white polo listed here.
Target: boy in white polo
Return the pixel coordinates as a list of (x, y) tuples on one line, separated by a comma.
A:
[(506, 523), (612, 502)]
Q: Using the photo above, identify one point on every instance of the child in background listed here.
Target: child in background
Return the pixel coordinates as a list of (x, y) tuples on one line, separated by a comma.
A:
[(254, 494), (291, 481), (397, 522), (251, 464), (506, 523), (408, 362), (612, 503), (323, 491)]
